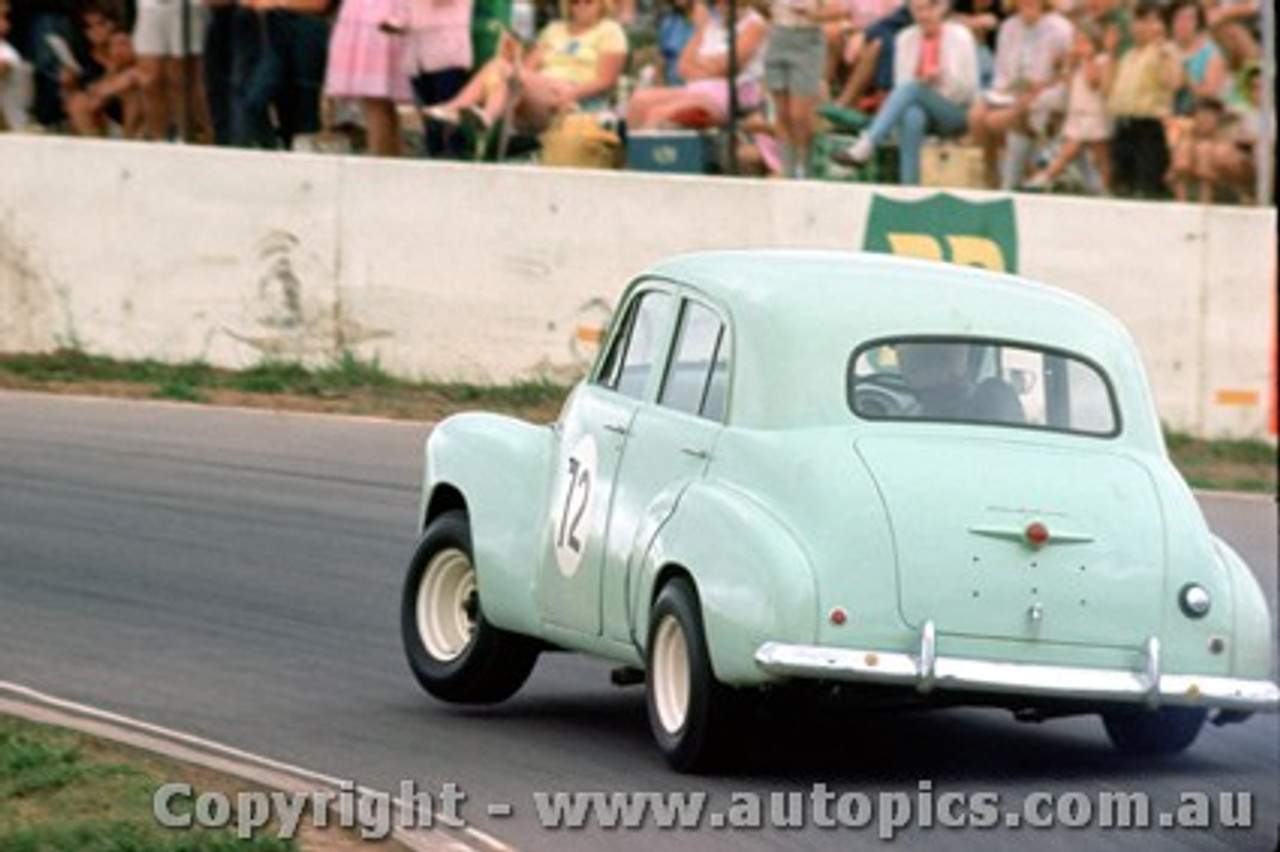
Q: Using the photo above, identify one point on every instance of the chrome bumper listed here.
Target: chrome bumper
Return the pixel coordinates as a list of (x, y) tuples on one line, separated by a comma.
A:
[(927, 671)]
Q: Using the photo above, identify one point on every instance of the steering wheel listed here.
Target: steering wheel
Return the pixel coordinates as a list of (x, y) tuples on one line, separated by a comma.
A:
[(883, 395)]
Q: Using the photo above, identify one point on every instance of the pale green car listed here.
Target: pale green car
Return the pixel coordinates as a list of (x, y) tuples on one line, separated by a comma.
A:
[(913, 480)]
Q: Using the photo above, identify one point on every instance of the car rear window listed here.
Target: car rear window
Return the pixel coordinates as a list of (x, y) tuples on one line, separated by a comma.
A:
[(967, 380)]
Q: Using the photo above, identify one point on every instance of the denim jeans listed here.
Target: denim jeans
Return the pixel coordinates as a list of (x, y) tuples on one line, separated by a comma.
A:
[(435, 87), (219, 62), (289, 75), (47, 107), (915, 110)]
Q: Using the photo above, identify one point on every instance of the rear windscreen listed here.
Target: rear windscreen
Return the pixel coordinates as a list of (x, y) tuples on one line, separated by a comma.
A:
[(966, 380)]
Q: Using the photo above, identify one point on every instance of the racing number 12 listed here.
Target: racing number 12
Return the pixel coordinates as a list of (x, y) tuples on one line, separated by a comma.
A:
[(575, 505)]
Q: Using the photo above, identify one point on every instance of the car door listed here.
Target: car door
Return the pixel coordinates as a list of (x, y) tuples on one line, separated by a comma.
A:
[(593, 434), (668, 447)]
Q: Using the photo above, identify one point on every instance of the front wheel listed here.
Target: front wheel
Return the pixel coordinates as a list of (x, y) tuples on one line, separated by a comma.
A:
[(687, 705), (456, 654), (1168, 730)]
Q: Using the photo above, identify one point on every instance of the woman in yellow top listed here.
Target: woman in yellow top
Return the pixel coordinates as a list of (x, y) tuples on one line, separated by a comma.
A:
[(574, 64)]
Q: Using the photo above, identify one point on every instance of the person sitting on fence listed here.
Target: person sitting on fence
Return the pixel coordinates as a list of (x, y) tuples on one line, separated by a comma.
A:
[(575, 64), (935, 80), (704, 65)]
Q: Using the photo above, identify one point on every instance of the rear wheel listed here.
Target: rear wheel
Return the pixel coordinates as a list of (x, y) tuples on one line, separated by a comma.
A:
[(687, 705), (455, 654), (1168, 730)]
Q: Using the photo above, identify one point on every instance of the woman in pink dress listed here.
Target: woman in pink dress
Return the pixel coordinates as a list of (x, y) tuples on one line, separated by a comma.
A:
[(366, 63)]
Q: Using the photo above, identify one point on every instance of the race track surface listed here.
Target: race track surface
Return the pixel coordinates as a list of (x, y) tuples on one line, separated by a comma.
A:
[(237, 575)]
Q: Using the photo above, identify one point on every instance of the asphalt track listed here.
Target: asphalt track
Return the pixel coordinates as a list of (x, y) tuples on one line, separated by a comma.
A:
[(236, 575)]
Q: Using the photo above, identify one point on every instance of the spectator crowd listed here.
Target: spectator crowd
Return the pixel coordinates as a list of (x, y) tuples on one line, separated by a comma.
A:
[(1132, 98)]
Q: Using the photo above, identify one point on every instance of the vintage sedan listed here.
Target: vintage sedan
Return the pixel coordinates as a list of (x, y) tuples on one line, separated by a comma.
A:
[(797, 468)]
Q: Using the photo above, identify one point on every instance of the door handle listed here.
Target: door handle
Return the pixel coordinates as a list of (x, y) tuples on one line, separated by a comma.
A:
[(694, 452), (615, 428)]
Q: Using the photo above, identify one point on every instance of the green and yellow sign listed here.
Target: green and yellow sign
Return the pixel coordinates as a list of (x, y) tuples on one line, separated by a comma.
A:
[(946, 227)]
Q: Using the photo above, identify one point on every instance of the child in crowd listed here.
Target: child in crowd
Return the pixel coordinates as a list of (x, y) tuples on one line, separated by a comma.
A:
[(1087, 127), (109, 90), (1194, 152), (1143, 84)]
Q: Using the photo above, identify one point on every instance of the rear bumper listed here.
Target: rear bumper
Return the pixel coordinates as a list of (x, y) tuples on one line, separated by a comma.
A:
[(926, 671)]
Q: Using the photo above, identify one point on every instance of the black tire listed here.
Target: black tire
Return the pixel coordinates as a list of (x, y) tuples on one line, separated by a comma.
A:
[(452, 650), (1169, 730), (689, 716)]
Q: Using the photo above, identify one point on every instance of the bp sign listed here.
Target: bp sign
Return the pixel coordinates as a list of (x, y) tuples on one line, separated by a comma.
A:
[(946, 227)]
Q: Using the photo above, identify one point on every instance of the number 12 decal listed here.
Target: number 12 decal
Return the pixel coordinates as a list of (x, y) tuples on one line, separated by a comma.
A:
[(578, 493), (572, 521)]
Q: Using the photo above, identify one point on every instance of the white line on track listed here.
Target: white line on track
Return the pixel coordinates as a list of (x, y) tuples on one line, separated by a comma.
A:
[(246, 760)]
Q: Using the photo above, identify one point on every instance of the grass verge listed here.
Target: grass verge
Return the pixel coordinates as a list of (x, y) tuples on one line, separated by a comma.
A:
[(62, 791), (353, 386)]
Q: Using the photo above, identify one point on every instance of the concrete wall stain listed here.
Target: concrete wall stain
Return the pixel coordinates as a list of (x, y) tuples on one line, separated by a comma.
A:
[(30, 302)]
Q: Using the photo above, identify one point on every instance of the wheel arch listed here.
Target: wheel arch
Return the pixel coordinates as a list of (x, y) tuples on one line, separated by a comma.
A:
[(753, 580), (1253, 655), (472, 461), (443, 497)]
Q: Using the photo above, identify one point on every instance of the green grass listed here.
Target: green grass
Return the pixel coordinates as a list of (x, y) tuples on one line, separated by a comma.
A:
[(63, 792), (192, 381), (1223, 464), (1233, 465)]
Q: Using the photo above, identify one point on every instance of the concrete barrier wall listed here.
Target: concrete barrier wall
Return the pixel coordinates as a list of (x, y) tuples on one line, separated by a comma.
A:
[(491, 273)]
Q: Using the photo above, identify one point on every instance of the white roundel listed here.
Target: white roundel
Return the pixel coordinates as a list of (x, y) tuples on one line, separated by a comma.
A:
[(572, 518)]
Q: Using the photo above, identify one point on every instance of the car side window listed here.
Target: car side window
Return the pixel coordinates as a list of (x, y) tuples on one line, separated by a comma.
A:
[(638, 345), (698, 376)]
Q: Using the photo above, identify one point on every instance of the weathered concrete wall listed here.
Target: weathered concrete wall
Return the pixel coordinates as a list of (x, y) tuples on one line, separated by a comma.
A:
[(490, 273)]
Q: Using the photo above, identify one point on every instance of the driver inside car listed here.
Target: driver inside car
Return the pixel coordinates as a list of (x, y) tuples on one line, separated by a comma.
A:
[(939, 377)]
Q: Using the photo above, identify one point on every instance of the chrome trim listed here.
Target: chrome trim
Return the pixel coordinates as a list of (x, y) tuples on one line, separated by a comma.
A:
[(1019, 534), (1151, 653), (956, 673), (928, 657)]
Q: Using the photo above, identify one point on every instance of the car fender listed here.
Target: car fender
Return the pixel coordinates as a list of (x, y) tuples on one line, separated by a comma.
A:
[(1253, 655), (754, 580), (499, 466)]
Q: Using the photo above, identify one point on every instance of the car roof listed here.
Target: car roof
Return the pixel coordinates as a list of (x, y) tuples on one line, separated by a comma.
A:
[(797, 315), (879, 293)]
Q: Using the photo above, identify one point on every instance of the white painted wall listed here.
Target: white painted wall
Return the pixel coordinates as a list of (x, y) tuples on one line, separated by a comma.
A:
[(486, 273)]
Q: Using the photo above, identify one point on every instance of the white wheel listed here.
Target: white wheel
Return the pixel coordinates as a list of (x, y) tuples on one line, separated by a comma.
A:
[(446, 605), (689, 710), (452, 649), (671, 675)]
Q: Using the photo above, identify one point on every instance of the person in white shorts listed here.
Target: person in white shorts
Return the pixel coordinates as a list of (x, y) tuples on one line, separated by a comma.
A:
[(162, 47), (793, 72), (15, 79)]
